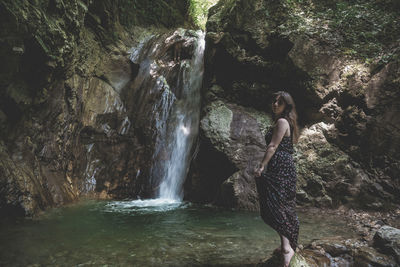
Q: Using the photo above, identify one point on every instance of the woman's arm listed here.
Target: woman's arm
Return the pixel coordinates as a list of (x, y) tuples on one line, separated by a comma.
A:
[(279, 131)]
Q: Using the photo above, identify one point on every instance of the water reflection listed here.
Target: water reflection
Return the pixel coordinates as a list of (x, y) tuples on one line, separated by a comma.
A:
[(156, 232)]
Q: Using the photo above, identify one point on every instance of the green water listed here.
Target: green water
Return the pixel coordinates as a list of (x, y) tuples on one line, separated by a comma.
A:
[(147, 233)]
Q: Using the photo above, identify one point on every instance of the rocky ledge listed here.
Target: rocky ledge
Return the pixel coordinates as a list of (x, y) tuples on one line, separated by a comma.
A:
[(377, 243)]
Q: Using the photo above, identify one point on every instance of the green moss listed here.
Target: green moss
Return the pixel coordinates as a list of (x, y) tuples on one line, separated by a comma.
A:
[(361, 29), (221, 118), (297, 261), (264, 121), (217, 123), (83, 6), (198, 10)]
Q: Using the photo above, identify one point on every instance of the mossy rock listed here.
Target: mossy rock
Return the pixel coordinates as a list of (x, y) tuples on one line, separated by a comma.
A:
[(297, 261)]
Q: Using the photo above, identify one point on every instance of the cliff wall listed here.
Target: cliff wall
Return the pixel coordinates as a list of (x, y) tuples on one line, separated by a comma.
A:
[(340, 62), (69, 125)]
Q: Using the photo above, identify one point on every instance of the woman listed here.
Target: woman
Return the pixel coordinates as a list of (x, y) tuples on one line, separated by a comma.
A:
[(276, 175)]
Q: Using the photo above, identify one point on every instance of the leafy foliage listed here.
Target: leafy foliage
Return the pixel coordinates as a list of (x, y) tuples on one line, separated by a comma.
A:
[(358, 28), (198, 10)]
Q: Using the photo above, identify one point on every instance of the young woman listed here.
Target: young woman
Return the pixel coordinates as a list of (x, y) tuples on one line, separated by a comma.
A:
[(276, 175)]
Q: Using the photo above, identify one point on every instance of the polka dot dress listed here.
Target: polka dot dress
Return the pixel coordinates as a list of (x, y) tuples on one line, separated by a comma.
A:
[(277, 191)]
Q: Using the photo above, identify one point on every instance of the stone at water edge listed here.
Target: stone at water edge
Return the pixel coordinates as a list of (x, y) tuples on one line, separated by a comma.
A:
[(387, 239), (367, 256), (233, 134), (298, 260)]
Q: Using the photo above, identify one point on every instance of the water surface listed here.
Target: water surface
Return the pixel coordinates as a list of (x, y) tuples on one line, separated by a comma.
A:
[(147, 233)]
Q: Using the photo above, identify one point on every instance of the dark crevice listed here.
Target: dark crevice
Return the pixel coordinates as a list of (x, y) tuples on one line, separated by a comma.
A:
[(207, 173)]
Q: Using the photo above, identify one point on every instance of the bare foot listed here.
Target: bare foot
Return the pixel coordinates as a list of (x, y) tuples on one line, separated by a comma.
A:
[(287, 256)]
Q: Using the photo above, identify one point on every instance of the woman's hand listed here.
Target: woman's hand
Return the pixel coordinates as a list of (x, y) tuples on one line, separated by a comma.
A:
[(258, 170)]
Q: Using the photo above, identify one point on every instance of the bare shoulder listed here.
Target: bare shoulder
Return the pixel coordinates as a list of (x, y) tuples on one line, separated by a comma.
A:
[(283, 126), (282, 122)]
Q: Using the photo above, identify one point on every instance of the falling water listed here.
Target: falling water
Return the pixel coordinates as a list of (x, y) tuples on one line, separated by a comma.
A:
[(183, 126), (168, 87)]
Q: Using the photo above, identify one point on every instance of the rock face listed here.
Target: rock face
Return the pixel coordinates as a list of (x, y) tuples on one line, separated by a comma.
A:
[(71, 109), (387, 239), (326, 175), (72, 99), (233, 133), (344, 92), (351, 252)]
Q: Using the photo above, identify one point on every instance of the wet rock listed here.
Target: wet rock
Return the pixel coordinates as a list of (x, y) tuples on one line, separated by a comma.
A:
[(337, 250), (304, 258), (98, 98), (387, 240), (335, 246), (315, 258), (20, 187), (367, 256), (359, 250), (350, 252)]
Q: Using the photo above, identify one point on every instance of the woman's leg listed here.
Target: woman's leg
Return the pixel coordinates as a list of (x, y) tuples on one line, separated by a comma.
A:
[(287, 251)]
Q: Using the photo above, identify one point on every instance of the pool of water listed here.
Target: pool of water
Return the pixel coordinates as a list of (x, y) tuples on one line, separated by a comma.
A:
[(147, 233)]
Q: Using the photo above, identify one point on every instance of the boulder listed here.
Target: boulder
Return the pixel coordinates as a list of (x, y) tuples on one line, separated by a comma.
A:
[(367, 256), (387, 240), (335, 246), (232, 138), (346, 252), (304, 258), (238, 191), (234, 131)]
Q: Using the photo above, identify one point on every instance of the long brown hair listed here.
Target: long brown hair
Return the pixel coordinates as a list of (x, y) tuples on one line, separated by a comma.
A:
[(289, 113)]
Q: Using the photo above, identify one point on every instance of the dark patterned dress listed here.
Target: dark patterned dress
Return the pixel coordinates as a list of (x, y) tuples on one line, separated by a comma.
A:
[(277, 190)]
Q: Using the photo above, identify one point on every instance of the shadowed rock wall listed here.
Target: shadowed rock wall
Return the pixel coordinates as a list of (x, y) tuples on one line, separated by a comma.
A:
[(68, 127)]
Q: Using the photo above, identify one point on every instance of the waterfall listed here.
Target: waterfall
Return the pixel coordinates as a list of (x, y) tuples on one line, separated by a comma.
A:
[(183, 125), (165, 104)]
